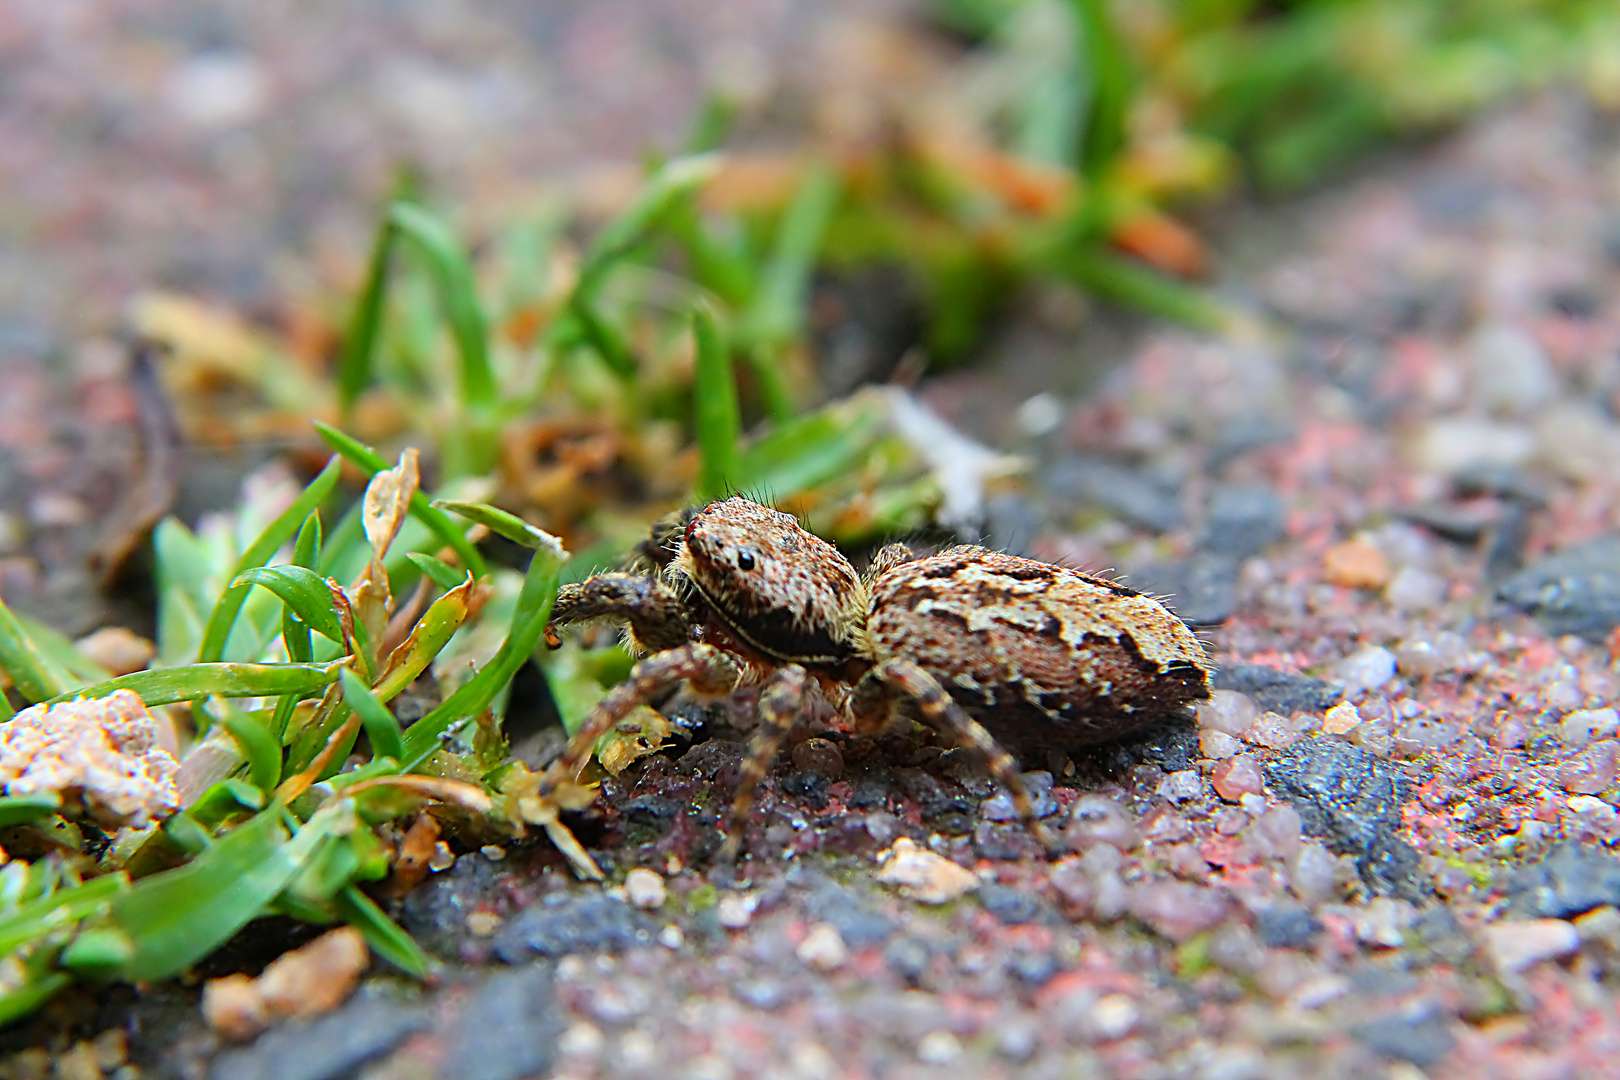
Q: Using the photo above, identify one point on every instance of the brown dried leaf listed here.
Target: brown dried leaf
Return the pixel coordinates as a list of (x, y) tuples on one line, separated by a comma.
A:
[(388, 499)]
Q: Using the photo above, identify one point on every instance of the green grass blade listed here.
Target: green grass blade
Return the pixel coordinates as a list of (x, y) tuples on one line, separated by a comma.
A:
[(30, 921), (31, 672), (180, 916), (458, 296), (715, 413), (305, 593), (261, 551), (385, 936), (365, 322), (18, 1003), (1133, 284), (164, 686), (438, 571), (380, 725), (260, 747), (21, 809), (777, 315), (528, 623), (368, 461), (676, 181), (608, 340), (500, 522)]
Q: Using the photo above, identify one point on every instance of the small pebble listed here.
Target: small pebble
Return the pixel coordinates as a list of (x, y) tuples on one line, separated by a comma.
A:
[(1277, 833), (819, 756), (1582, 726), (1228, 711), (644, 888), (1368, 669), (924, 875), (1098, 820), (1312, 872), (1176, 909), (482, 923), (1355, 564), (672, 937), (1341, 719), (1181, 786), (118, 650), (1383, 922), (1592, 770), (1236, 777), (736, 910), (1114, 1017), (1514, 946), (1217, 745), (938, 1048), (1415, 590), (823, 948)]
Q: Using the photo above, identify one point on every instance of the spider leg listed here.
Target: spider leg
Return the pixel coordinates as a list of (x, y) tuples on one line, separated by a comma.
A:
[(872, 704), (779, 705), (656, 613), (708, 670)]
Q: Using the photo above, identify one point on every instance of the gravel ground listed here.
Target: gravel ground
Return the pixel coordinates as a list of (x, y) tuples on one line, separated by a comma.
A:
[(1390, 499)]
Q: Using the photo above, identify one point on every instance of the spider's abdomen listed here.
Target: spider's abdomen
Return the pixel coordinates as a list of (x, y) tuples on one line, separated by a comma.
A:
[(1042, 655)]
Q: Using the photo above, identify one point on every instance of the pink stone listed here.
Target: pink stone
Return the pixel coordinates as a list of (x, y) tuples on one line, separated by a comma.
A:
[(1236, 777), (1099, 820), (1276, 832), (1592, 770), (1217, 745), (1228, 711), (1178, 910)]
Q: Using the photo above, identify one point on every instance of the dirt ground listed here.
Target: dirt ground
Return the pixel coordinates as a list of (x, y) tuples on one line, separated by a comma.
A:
[(1389, 497)]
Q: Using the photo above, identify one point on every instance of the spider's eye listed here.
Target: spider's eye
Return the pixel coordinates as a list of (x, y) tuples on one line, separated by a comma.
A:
[(745, 559)]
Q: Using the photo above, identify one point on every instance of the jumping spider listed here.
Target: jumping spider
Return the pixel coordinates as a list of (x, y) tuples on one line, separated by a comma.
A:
[(987, 648)]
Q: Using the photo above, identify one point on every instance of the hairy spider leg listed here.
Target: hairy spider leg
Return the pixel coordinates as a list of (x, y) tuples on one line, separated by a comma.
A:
[(872, 704), (705, 668), (655, 612), (780, 703)]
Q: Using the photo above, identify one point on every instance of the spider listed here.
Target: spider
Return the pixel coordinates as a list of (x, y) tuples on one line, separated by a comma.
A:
[(984, 647)]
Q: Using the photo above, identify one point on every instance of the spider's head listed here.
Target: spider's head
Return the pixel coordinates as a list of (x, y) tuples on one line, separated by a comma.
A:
[(783, 590)]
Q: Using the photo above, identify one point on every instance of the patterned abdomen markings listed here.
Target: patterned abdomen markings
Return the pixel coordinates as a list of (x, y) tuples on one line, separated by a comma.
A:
[(1042, 655)]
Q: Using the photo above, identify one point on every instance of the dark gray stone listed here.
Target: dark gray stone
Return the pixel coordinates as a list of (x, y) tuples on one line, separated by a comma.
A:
[(508, 1028), (1135, 496), (1277, 691), (1572, 880), (368, 1026), (1243, 519), (435, 912), (858, 923), (1287, 926), (563, 923), (1200, 589), (1510, 535), (1012, 906), (1576, 591), (1352, 800), (1418, 1033)]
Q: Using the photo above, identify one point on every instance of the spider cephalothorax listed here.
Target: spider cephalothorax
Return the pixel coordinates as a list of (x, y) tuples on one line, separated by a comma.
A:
[(984, 647)]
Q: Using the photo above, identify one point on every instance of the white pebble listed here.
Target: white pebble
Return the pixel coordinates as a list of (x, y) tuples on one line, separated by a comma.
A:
[(736, 910), (823, 948), (1415, 590), (1228, 711), (1181, 786), (938, 1048), (644, 888), (1514, 946), (1368, 669)]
